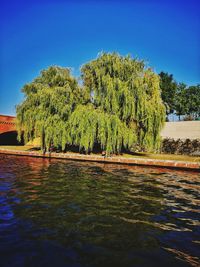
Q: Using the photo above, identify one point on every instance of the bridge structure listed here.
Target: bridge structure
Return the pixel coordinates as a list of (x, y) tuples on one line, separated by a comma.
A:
[(7, 124), (8, 130)]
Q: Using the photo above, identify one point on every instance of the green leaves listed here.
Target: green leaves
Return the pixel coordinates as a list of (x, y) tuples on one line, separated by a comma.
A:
[(124, 87), (118, 106), (188, 100), (49, 101), (169, 88), (88, 126)]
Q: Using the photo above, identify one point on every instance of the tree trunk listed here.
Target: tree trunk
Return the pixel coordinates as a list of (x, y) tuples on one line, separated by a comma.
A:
[(43, 147)]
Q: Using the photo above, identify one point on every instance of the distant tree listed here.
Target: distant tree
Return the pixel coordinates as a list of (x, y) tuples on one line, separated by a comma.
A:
[(168, 91), (49, 101), (181, 100), (188, 101), (192, 95)]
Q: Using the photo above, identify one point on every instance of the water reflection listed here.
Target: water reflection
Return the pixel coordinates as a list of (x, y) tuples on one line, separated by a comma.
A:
[(64, 213)]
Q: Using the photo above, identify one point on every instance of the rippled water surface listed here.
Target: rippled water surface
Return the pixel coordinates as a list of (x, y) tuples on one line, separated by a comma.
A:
[(65, 213)]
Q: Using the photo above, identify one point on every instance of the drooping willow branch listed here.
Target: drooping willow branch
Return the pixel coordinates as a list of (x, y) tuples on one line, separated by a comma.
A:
[(119, 105)]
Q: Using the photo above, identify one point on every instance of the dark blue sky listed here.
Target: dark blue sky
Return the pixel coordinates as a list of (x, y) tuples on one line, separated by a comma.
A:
[(35, 34)]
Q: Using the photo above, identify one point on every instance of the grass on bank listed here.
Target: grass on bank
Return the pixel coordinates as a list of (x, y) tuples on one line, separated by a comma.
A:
[(22, 148), (131, 155)]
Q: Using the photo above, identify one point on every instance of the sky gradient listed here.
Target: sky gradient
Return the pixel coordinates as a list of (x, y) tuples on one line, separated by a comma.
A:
[(36, 34)]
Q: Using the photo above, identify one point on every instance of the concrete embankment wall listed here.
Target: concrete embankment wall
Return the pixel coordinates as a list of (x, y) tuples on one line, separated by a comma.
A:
[(181, 130), (114, 160)]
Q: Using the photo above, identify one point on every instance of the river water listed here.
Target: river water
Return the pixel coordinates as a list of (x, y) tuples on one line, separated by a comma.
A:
[(67, 213)]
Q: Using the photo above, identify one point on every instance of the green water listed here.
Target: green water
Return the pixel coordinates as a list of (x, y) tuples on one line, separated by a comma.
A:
[(67, 213)]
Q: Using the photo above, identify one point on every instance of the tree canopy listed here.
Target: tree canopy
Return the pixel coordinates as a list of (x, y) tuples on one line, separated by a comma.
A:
[(193, 101), (49, 101), (188, 100), (168, 91), (118, 105), (178, 97), (180, 100), (126, 88)]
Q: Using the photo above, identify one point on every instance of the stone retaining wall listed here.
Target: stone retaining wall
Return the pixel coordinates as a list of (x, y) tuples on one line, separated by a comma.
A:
[(181, 147), (117, 160)]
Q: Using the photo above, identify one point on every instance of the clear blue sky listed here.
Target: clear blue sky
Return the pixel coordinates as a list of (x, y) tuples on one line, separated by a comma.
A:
[(35, 34)]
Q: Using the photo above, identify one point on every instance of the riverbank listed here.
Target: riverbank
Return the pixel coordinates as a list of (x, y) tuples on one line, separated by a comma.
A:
[(144, 160)]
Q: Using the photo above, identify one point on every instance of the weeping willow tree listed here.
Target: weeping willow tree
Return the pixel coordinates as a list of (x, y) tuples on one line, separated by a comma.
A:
[(49, 101), (118, 106), (126, 107)]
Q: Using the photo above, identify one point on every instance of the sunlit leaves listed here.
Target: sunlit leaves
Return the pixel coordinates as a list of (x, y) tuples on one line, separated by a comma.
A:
[(88, 126), (125, 87), (49, 101), (118, 106)]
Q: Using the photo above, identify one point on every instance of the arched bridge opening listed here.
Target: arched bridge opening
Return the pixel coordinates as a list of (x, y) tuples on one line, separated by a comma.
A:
[(8, 131)]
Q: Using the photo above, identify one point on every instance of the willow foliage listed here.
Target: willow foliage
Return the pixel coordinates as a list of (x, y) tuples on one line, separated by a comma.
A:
[(118, 105), (126, 88), (49, 101), (88, 126)]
